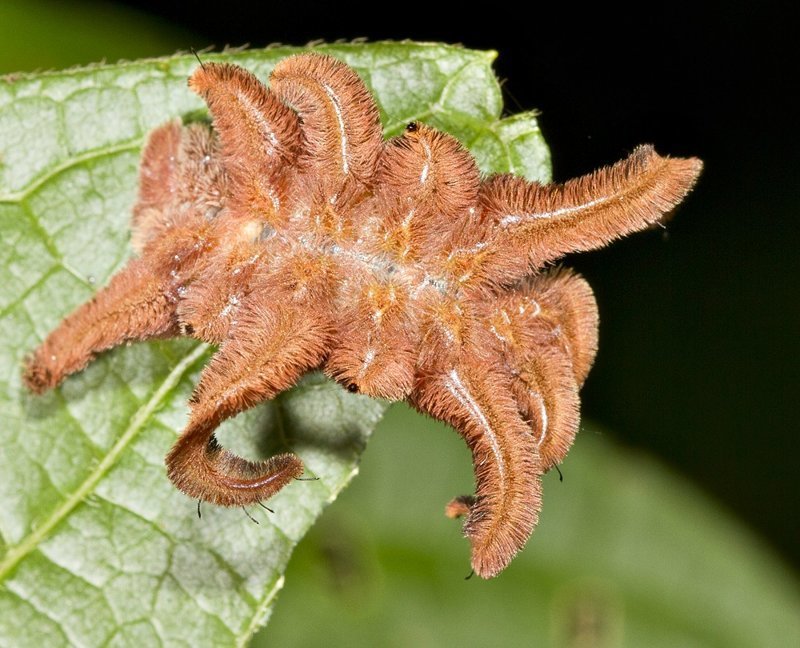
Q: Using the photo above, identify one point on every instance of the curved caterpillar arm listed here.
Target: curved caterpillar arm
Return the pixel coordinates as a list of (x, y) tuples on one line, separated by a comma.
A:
[(136, 305), (265, 355), (545, 333), (480, 406), (529, 225), (341, 124), (260, 138), (178, 187), (426, 182)]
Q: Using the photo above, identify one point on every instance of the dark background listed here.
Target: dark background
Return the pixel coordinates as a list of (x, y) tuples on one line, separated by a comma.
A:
[(698, 355)]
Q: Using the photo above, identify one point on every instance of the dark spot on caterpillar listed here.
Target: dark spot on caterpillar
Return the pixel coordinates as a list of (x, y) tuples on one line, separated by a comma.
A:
[(352, 388), (412, 127)]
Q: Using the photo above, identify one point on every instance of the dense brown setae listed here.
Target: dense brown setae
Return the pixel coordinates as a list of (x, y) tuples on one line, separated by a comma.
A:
[(294, 237)]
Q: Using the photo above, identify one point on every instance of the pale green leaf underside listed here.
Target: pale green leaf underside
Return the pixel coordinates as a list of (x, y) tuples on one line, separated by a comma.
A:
[(97, 547)]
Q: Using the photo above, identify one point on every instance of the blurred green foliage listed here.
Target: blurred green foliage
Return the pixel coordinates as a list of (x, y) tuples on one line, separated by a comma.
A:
[(625, 554), (46, 34)]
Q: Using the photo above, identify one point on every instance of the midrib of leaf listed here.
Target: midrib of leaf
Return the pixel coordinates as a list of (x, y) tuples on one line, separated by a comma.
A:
[(259, 611), (33, 539)]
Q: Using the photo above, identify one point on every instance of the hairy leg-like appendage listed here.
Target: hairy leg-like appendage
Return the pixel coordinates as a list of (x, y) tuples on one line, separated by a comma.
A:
[(179, 182), (136, 305), (547, 396), (426, 181), (378, 354), (526, 225), (267, 354), (260, 140), (182, 184), (566, 303), (546, 333), (341, 124), (479, 405)]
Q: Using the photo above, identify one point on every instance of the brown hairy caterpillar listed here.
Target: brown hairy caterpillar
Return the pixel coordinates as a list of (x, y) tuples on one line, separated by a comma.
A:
[(295, 238)]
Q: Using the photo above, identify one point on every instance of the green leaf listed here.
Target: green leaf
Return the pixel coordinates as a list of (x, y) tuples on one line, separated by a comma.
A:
[(625, 554), (97, 546)]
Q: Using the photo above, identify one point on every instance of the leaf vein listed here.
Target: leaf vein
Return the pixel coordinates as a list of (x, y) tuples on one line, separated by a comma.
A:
[(40, 612), (70, 162), (16, 553)]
